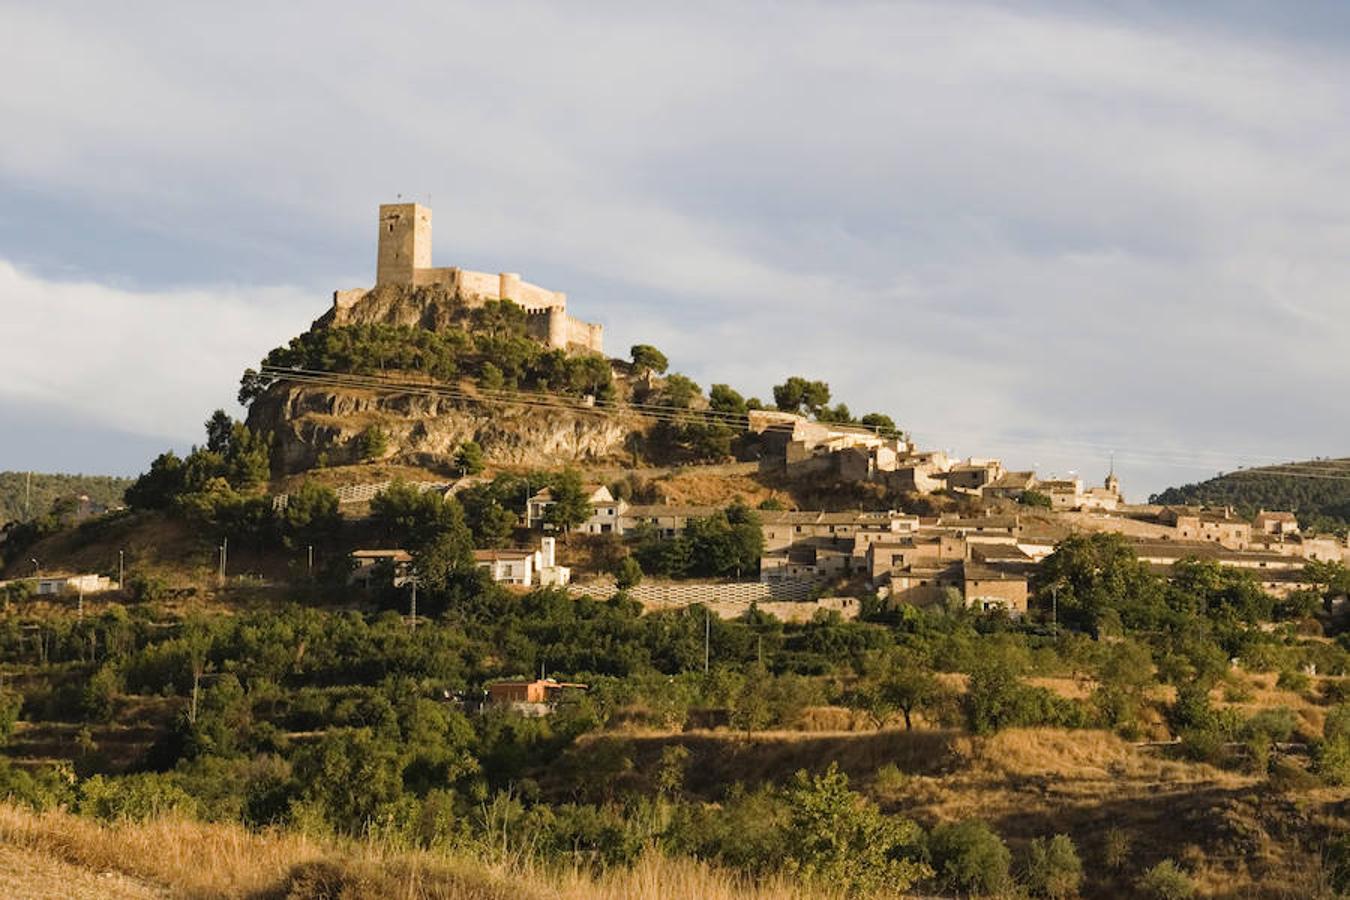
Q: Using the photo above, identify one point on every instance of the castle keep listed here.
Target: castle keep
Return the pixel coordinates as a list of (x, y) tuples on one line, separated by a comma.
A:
[(404, 258)]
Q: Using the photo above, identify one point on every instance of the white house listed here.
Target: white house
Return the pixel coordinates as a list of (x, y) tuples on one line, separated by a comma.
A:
[(524, 567)]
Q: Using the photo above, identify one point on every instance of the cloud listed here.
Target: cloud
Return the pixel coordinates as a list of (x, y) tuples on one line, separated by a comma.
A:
[(153, 364), (1029, 229)]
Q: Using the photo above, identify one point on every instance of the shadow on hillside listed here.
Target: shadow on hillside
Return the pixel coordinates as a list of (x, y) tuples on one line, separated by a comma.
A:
[(717, 760)]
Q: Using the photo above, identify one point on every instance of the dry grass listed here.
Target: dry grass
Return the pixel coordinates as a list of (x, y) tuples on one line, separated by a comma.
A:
[(196, 860), (1266, 695)]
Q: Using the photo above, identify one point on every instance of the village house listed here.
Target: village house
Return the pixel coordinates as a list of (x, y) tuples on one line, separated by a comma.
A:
[(919, 473), (524, 567), (62, 584), (922, 586), (1203, 524), (1009, 486), (1065, 493), (812, 557), (920, 551), (1278, 524), (782, 528), (971, 476), (1323, 548), (989, 529), (371, 565), (991, 587), (530, 698), (982, 586), (668, 521), (606, 509)]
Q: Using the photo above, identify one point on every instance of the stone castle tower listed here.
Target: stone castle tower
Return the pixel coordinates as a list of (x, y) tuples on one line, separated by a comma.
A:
[(405, 242)]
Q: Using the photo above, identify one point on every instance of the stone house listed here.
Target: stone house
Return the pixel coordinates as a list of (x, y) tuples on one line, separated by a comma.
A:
[(1279, 524), (971, 476), (1220, 526), (668, 521), (599, 496), (1009, 486), (812, 557), (923, 551), (989, 587), (1064, 493)]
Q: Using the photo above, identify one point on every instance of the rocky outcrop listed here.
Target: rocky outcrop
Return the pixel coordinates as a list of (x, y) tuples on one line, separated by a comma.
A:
[(433, 307), (314, 426)]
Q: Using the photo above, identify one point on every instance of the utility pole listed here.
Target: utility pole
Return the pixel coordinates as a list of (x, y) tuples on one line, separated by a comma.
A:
[(309, 563), (412, 605), (224, 551), (79, 605), (121, 570)]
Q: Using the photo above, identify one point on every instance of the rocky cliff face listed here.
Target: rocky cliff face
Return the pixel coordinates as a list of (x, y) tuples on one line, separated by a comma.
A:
[(313, 426), (433, 307)]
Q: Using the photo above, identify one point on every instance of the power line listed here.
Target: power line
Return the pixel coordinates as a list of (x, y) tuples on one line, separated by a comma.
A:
[(1326, 470)]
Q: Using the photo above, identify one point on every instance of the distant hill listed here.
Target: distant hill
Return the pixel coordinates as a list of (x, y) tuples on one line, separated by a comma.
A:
[(1319, 492), (103, 489)]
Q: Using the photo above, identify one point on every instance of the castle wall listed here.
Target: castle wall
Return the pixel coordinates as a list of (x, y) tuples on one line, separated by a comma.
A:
[(423, 277), (560, 331), (480, 284)]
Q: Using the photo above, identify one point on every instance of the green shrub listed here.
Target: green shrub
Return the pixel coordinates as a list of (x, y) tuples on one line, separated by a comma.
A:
[(1204, 745), (146, 588), (890, 780), (840, 839), (1116, 846), (1331, 760), (1293, 681), (968, 856), (1053, 868), (1166, 881), (132, 797), (372, 443), (40, 789), (1337, 724), (99, 695), (1337, 864), (11, 702)]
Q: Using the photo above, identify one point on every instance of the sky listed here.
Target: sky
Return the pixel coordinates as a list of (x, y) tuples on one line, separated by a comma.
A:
[(1049, 232)]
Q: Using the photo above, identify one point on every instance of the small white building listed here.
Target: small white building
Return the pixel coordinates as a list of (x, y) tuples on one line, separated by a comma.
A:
[(65, 584), (523, 567)]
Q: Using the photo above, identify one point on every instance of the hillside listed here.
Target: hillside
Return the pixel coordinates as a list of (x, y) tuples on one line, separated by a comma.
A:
[(104, 490), (1318, 490), (54, 854)]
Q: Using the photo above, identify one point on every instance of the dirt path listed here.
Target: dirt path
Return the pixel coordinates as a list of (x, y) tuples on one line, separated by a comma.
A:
[(25, 875)]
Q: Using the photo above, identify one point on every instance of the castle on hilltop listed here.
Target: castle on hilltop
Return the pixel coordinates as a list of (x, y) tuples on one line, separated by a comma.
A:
[(405, 259)]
